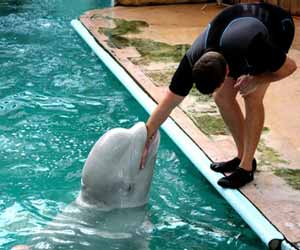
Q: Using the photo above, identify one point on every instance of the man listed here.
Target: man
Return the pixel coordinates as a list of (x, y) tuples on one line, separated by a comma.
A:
[(242, 50)]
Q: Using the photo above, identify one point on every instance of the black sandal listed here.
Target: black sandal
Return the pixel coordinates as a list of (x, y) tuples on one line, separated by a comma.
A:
[(229, 166), (238, 178), (226, 166)]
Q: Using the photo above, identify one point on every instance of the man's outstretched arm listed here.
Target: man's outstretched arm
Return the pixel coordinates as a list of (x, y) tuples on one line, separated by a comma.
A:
[(162, 111), (158, 116)]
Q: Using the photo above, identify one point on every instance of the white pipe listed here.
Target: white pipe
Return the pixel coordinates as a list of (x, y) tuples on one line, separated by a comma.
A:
[(258, 223)]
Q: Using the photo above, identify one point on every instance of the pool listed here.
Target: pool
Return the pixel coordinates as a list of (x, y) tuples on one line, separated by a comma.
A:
[(56, 99)]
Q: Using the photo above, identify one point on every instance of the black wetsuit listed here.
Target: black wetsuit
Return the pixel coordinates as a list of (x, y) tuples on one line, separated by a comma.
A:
[(253, 38)]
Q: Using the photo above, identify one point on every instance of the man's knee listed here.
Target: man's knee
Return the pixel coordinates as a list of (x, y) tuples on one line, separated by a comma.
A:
[(256, 98), (222, 99), (226, 94), (218, 98), (253, 100)]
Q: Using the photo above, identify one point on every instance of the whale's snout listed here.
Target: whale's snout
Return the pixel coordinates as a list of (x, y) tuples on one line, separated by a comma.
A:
[(111, 174)]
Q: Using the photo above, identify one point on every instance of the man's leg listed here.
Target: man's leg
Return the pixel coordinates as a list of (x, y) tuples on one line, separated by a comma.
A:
[(254, 122), (225, 98)]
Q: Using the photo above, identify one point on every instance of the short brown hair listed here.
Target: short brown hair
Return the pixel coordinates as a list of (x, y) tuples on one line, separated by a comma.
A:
[(209, 72)]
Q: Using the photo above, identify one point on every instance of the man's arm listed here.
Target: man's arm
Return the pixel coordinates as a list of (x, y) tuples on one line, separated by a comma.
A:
[(161, 112), (183, 74), (247, 83), (158, 116), (284, 71)]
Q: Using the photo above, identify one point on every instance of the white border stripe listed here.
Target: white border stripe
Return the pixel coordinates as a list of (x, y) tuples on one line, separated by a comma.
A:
[(258, 223)]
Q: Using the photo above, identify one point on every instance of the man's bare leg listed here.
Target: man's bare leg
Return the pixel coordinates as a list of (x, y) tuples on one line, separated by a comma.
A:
[(253, 125), (225, 98), (254, 122)]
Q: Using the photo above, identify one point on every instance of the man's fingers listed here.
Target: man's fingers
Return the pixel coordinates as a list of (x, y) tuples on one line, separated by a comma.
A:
[(247, 90), (242, 82), (146, 150), (237, 84), (144, 157)]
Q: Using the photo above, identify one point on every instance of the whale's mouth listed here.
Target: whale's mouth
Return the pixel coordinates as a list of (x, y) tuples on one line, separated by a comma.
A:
[(112, 176)]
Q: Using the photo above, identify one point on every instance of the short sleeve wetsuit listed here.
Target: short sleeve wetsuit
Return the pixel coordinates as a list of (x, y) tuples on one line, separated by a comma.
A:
[(253, 38)]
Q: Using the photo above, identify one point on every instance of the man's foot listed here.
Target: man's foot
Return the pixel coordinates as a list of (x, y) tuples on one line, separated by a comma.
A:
[(237, 179), (229, 166), (226, 166)]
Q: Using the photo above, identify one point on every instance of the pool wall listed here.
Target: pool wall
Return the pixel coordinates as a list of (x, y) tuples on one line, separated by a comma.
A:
[(267, 232)]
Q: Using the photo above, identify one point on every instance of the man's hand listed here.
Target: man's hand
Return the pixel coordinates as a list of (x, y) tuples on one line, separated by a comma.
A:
[(159, 115), (146, 150), (144, 155), (246, 84)]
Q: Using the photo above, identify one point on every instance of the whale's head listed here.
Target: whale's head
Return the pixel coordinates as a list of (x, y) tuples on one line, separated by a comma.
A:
[(111, 177)]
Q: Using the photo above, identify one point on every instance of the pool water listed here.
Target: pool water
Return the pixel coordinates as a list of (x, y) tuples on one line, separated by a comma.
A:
[(56, 99)]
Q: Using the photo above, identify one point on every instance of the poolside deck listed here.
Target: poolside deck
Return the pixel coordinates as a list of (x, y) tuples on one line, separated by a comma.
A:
[(148, 49)]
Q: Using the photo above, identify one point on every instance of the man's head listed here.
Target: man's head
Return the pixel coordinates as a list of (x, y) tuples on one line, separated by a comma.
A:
[(209, 72)]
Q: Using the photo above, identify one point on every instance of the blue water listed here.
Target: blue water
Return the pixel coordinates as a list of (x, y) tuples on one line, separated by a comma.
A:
[(56, 99)]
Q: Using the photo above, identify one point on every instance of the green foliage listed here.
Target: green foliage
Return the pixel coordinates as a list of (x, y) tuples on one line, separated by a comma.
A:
[(124, 27), (149, 50), (268, 155), (211, 125), (291, 176)]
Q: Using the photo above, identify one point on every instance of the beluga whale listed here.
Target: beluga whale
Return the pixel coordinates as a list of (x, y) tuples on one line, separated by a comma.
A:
[(110, 210), (111, 177)]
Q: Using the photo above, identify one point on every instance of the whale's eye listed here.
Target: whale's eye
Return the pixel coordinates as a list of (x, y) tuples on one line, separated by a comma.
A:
[(127, 187)]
